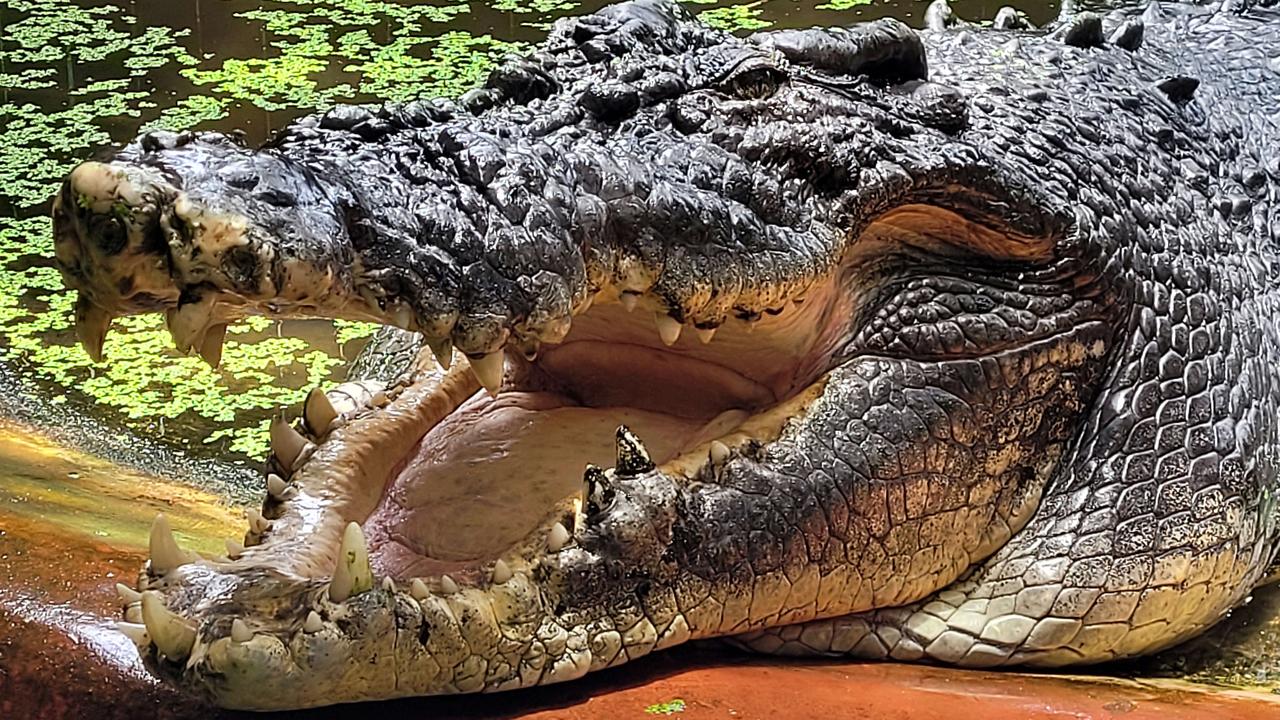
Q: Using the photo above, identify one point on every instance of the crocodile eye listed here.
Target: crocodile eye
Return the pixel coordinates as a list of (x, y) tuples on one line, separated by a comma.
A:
[(756, 83), (111, 234)]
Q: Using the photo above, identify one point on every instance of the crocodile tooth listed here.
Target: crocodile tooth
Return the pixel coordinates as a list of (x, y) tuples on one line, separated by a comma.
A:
[(173, 634), (353, 575), (447, 585), (388, 585), (313, 623), (719, 453), (488, 370), (668, 328), (629, 300), (165, 553), (633, 458), (211, 344), (258, 524), (187, 321), (92, 323), (443, 350), (402, 317), (276, 486), (137, 632), (418, 589), (127, 594), (240, 633), (501, 573), (705, 335), (319, 412), (286, 443), (133, 613), (235, 548), (557, 538), (586, 304), (380, 399)]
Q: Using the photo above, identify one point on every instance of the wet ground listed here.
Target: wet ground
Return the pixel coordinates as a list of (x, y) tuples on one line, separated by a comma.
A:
[(89, 454)]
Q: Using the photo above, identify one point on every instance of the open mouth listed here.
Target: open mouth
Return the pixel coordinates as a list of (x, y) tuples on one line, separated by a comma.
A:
[(448, 478)]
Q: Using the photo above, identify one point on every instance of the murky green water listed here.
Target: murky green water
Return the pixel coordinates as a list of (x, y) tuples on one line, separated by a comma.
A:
[(76, 75)]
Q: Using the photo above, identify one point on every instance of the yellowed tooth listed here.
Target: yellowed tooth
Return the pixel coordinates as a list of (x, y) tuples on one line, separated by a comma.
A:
[(188, 321), (92, 324), (557, 538), (705, 335), (418, 589), (319, 412), (719, 453), (443, 350), (447, 585), (127, 594), (629, 300), (501, 573), (136, 632), (313, 623), (668, 328), (235, 548), (286, 443), (240, 633), (388, 585), (133, 613), (173, 634), (165, 553), (488, 370), (211, 344), (353, 575), (257, 523), (276, 486)]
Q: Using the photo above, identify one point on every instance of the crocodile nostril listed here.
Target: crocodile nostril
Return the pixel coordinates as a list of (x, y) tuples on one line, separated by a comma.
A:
[(110, 234)]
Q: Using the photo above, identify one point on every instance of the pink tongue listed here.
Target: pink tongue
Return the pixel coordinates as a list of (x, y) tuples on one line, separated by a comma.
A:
[(487, 475)]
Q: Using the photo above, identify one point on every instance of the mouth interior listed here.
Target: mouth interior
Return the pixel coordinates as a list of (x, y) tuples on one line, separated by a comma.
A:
[(485, 477)]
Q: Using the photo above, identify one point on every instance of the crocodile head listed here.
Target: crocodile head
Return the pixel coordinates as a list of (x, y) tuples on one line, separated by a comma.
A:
[(776, 338)]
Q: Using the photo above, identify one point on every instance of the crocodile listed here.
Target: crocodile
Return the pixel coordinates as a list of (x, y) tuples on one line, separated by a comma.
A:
[(955, 346)]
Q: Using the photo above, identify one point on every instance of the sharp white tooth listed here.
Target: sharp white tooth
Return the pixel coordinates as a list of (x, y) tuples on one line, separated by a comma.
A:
[(705, 335), (719, 453), (286, 443), (447, 585), (133, 613), (188, 321), (557, 537), (240, 633), (165, 554), (173, 634), (488, 370), (136, 632), (388, 585), (313, 623), (92, 323), (235, 548), (353, 575), (127, 594), (501, 573), (276, 486), (668, 328), (629, 300), (443, 350), (319, 412), (418, 589), (211, 344)]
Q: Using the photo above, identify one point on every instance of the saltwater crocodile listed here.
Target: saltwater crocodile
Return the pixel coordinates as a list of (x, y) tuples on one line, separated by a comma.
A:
[(957, 346)]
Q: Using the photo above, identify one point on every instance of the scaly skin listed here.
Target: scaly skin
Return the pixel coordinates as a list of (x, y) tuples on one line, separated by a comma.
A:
[(1045, 432)]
